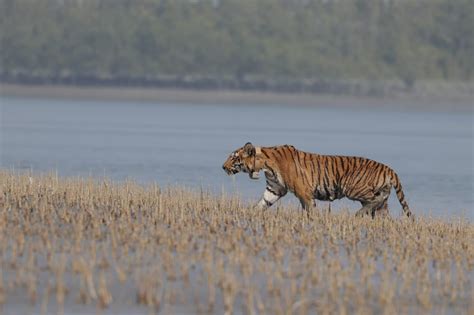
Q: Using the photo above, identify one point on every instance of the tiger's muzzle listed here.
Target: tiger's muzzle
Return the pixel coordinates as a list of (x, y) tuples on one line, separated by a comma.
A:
[(232, 170)]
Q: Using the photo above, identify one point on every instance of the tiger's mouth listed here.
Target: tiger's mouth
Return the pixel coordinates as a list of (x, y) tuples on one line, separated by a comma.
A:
[(231, 170), (236, 169)]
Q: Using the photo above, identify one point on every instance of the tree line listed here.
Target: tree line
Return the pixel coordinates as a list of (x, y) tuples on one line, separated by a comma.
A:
[(255, 44)]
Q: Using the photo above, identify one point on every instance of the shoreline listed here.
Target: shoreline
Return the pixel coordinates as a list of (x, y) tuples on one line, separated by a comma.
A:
[(447, 101)]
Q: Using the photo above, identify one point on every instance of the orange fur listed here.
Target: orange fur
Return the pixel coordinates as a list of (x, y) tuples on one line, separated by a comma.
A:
[(324, 177)]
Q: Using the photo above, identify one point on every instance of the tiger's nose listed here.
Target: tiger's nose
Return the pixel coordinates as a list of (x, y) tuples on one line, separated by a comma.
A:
[(223, 167)]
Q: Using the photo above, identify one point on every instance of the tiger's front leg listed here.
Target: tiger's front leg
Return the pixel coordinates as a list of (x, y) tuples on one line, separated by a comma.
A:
[(270, 196)]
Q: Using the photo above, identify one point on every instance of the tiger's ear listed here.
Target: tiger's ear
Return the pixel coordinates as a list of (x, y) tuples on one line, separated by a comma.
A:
[(249, 149)]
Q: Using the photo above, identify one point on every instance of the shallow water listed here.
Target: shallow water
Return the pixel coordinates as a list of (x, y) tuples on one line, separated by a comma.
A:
[(186, 144)]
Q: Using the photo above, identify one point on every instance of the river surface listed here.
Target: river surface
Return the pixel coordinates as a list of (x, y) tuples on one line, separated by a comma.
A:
[(186, 144)]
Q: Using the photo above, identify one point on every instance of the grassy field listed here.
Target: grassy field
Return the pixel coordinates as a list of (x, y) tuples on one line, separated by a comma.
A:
[(76, 245)]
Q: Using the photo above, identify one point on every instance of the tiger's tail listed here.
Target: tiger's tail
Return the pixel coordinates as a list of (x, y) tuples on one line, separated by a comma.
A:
[(395, 181)]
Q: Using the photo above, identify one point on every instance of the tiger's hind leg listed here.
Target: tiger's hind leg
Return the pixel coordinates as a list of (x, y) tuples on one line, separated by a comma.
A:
[(377, 203), (382, 211), (367, 207)]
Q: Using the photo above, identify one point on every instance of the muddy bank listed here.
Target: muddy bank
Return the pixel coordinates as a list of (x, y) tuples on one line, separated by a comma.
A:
[(430, 96)]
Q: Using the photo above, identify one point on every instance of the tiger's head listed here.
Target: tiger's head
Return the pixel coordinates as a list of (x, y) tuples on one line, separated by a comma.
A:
[(242, 160)]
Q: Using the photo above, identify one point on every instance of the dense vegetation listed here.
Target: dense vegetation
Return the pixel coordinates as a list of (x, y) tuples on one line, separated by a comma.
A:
[(236, 43)]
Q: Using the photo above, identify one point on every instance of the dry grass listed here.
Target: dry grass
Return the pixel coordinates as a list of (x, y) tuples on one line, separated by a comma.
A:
[(70, 242)]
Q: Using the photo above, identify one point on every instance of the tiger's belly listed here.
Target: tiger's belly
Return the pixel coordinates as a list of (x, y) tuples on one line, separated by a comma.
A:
[(328, 194)]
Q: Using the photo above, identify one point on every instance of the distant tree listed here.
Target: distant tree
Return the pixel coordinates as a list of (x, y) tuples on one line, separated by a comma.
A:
[(273, 39)]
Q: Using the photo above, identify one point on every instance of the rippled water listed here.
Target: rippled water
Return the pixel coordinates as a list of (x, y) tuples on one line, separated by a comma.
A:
[(432, 151)]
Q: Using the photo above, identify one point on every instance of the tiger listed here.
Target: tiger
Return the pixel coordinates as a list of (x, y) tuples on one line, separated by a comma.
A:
[(311, 176)]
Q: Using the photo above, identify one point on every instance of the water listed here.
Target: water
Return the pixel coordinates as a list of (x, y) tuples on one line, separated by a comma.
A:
[(186, 144)]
